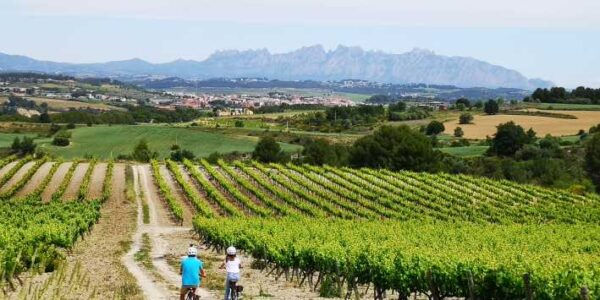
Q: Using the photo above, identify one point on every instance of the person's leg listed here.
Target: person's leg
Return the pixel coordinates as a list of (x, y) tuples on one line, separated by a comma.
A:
[(182, 293), (236, 278)]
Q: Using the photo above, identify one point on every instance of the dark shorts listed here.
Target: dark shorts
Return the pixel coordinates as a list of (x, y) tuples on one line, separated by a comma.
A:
[(189, 286), (184, 288)]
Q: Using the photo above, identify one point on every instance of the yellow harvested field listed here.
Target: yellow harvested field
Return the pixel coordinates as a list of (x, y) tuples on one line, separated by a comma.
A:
[(484, 125)]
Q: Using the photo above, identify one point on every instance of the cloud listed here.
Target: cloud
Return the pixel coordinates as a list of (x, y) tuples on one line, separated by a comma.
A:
[(459, 13)]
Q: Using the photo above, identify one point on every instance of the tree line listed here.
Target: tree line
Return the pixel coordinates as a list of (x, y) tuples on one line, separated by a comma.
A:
[(580, 95)]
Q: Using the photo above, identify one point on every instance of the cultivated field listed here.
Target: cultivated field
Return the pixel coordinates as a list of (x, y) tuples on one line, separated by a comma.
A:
[(105, 142), (484, 125), (334, 231)]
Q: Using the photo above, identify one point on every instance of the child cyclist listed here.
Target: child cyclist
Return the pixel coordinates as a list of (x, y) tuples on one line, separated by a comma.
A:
[(232, 265)]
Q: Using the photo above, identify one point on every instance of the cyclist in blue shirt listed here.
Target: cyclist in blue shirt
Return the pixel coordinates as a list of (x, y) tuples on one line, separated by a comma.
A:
[(192, 270)]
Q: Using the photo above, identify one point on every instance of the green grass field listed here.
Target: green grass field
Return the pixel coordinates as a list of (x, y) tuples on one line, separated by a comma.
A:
[(109, 141), (468, 151)]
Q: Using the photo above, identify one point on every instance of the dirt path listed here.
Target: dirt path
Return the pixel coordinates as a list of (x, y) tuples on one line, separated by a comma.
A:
[(145, 280), (73, 188), (188, 210), (35, 180), (20, 173), (166, 287), (55, 181), (96, 182)]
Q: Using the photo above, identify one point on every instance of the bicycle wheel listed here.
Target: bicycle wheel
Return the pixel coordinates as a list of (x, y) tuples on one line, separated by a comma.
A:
[(189, 295)]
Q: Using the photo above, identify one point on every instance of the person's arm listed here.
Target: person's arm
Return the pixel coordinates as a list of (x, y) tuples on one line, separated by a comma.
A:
[(202, 273), (223, 265)]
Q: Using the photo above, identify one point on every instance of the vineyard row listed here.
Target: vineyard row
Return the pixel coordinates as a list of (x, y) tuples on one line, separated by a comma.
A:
[(264, 190)]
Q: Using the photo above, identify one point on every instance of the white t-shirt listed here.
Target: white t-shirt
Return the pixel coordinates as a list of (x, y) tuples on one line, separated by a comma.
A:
[(232, 266)]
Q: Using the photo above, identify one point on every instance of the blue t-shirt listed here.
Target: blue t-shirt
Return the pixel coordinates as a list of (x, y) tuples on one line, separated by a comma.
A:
[(191, 267)]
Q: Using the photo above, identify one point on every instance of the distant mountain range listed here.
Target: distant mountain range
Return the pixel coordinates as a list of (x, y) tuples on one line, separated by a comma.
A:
[(307, 63)]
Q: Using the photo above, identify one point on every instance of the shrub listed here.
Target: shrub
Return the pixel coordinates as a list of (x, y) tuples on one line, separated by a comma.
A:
[(61, 141), (458, 132), (434, 128), (465, 118)]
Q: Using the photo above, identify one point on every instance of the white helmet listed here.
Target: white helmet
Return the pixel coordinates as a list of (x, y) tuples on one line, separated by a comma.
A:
[(192, 251), (231, 251)]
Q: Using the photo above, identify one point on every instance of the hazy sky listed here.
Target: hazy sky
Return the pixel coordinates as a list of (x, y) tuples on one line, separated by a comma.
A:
[(555, 40)]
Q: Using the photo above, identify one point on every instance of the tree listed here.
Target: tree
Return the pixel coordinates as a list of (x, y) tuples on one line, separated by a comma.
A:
[(465, 118), (16, 144), (509, 139), (379, 99), (550, 146), (45, 118), (179, 154), (592, 159), (320, 152), (27, 146), (268, 150), (491, 107), (23, 147), (399, 106), (395, 148), (464, 101), (531, 136), (142, 152), (434, 128), (458, 132), (44, 107)]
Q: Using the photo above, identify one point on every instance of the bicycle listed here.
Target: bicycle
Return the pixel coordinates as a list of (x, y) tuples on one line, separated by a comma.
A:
[(191, 294), (234, 290)]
